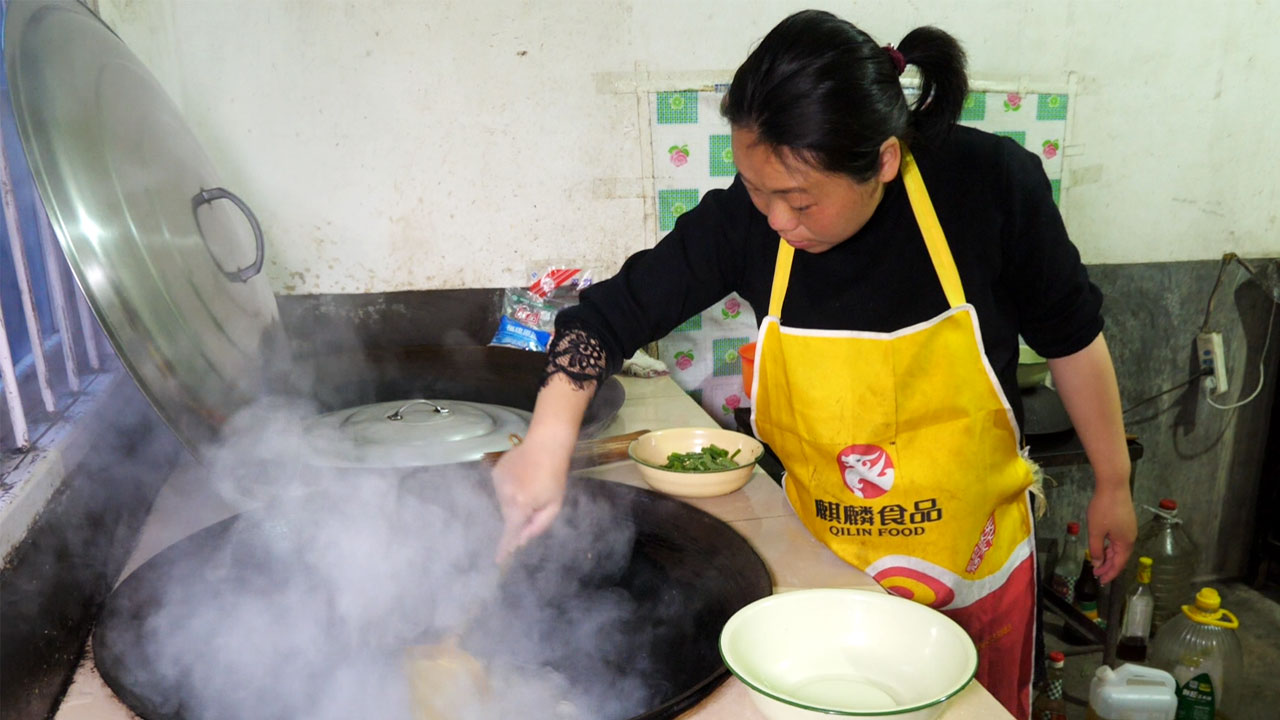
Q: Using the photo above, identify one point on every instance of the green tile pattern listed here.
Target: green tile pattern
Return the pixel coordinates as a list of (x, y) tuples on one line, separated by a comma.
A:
[(678, 108), (672, 204)]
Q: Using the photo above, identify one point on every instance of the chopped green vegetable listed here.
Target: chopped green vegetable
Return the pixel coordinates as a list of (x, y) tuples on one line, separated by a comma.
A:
[(712, 458)]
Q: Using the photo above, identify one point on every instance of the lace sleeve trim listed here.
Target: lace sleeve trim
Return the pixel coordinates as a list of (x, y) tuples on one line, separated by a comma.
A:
[(578, 355)]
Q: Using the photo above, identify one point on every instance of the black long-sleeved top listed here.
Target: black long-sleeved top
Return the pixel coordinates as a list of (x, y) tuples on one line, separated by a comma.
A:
[(1019, 270)]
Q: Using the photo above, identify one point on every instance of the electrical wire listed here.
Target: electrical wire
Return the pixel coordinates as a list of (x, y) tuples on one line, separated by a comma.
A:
[(1262, 367), (1162, 393), (1208, 308)]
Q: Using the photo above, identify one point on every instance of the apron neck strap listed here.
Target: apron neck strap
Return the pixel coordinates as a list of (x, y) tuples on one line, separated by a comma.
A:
[(781, 276), (931, 229), (934, 239)]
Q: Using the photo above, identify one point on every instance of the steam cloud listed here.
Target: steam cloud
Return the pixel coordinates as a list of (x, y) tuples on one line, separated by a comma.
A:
[(307, 603)]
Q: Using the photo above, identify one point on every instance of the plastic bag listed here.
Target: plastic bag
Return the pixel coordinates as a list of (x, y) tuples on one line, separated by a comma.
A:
[(528, 317)]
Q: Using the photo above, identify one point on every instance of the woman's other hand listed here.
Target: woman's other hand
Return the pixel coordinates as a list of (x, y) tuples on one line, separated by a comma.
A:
[(1113, 528), (1086, 382)]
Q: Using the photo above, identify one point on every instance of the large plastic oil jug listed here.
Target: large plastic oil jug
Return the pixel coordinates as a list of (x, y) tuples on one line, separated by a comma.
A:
[(1132, 692), (1200, 649)]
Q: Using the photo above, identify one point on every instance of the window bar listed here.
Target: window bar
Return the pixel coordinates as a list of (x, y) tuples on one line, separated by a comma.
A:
[(21, 435), (53, 271), (24, 280), (87, 325)]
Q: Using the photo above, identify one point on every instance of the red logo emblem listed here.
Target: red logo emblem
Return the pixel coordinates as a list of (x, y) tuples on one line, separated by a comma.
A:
[(525, 315), (867, 470)]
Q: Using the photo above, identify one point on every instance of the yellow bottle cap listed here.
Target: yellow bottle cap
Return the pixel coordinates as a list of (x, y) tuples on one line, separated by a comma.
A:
[(1208, 610), (1208, 600), (1144, 570)]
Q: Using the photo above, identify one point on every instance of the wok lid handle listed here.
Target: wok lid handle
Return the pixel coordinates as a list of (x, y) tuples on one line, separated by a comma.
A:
[(399, 412), (207, 196)]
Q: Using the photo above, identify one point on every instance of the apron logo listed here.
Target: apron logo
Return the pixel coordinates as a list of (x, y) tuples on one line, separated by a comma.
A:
[(893, 520), (913, 584), (867, 470), (985, 540)]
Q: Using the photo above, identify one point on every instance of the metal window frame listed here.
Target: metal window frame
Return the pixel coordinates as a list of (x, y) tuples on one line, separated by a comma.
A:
[(25, 379)]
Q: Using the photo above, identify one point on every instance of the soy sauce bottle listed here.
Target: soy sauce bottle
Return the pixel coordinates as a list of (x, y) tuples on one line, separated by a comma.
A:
[(1087, 590), (1138, 609)]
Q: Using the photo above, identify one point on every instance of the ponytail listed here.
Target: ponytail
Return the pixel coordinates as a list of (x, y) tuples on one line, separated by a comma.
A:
[(821, 88), (943, 82)]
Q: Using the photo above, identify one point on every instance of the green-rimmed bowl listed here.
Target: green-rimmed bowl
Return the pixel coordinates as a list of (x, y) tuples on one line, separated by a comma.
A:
[(857, 653)]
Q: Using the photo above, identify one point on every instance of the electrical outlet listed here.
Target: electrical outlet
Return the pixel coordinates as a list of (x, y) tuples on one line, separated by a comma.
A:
[(1209, 352)]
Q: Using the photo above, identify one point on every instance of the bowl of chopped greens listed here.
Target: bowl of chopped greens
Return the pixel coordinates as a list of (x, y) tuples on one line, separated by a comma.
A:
[(695, 461)]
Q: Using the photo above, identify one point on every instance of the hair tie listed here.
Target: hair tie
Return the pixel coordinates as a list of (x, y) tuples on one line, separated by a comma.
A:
[(899, 62)]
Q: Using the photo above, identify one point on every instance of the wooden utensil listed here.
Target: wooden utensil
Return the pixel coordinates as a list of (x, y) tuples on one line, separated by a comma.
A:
[(442, 676), (587, 453)]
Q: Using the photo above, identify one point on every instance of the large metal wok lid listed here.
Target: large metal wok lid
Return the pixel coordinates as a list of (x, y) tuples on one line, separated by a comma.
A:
[(168, 259)]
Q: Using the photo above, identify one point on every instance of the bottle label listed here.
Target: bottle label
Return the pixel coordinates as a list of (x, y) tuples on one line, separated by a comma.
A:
[(1196, 699), (1089, 608), (1053, 690), (1064, 587), (1137, 617)]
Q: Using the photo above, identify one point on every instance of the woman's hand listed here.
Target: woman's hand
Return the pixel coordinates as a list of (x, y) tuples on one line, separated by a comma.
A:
[(530, 478), (1113, 528), (530, 482)]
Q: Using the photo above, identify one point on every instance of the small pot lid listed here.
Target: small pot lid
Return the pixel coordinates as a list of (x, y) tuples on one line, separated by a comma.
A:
[(414, 433), (168, 259)]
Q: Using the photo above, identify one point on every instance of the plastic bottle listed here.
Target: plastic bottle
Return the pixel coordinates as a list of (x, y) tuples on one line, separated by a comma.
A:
[(1050, 704), (1132, 692), (1138, 607), (1200, 649), (1067, 568), (1173, 556)]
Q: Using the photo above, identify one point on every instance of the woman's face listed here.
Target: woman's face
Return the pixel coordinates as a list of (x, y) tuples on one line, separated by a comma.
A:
[(813, 210)]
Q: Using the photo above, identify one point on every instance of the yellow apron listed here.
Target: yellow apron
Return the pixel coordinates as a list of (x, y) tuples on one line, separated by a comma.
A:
[(902, 455)]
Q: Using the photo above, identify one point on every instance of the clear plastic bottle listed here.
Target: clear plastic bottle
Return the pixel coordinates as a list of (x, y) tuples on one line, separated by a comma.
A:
[(1199, 648), (1173, 560), (1067, 567), (1138, 607)]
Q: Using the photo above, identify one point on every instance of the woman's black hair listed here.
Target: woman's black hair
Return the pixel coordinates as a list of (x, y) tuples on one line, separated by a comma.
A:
[(824, 90)]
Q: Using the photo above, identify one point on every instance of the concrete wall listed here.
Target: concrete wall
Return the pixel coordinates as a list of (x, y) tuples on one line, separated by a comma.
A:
[(1207, 459), (398, 145)]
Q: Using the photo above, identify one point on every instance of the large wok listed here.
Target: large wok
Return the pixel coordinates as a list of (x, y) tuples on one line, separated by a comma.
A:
[(619, 606)]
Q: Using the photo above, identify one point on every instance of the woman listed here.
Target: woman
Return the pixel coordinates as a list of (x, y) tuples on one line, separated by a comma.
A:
[(898, 256)]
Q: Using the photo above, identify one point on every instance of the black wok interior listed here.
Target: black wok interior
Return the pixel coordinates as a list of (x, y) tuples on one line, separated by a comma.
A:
[(677, 575)]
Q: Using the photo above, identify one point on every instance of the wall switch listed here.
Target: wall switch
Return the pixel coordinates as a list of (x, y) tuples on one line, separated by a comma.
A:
[(1211, 358)]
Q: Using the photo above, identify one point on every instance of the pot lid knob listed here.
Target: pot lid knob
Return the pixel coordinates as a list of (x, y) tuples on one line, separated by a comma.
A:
[(398, 414)]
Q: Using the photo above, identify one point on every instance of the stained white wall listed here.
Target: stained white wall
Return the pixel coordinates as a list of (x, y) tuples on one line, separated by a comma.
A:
[(396, 144)]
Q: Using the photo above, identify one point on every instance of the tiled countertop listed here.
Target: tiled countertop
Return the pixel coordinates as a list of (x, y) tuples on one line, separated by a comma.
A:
[(759, 512)]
